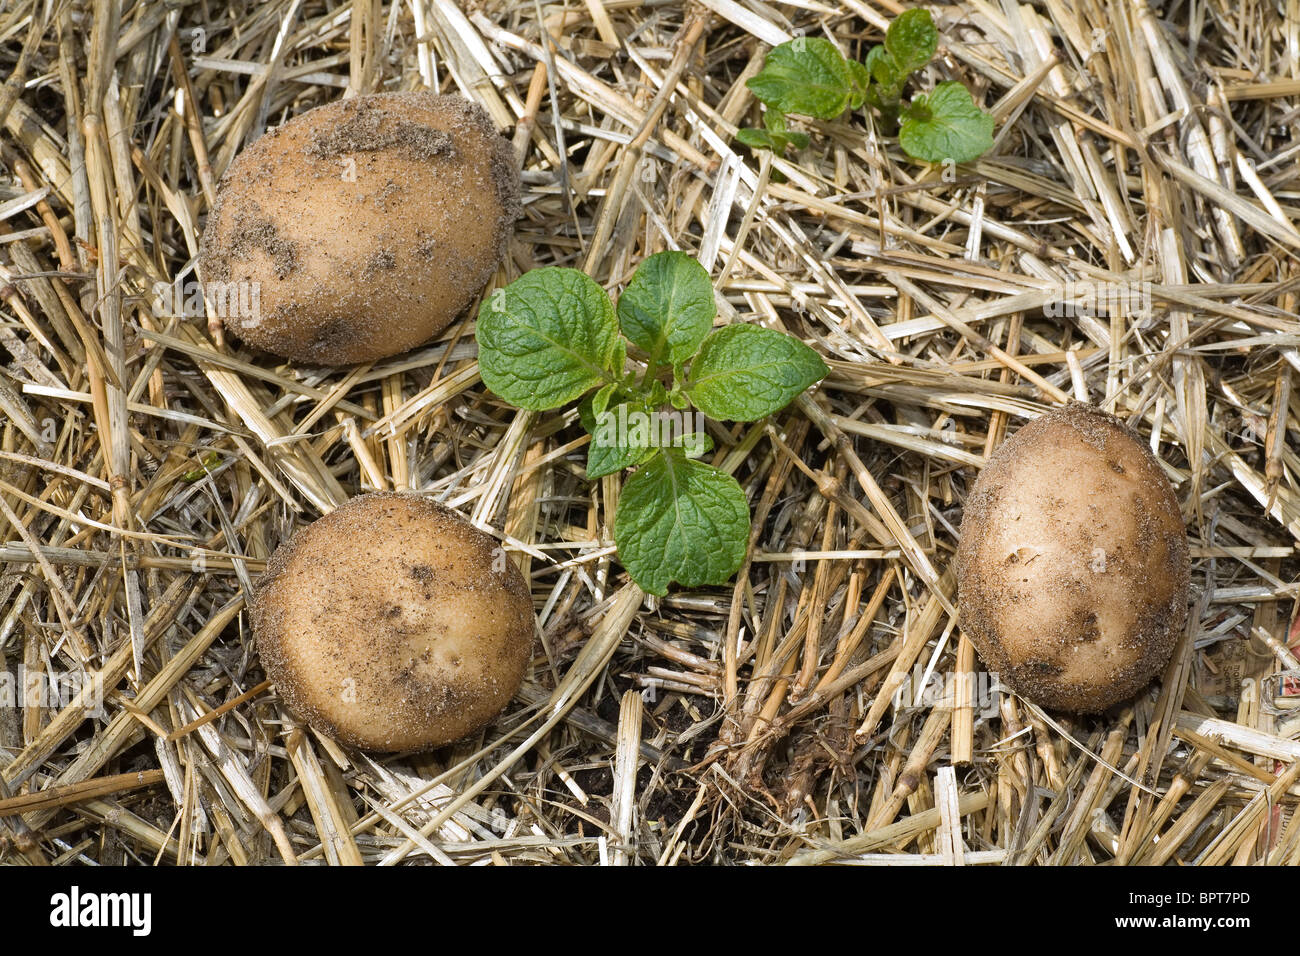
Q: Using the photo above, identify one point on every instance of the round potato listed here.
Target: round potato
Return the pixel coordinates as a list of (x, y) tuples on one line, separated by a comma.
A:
[(1073, 562), (393, 624), (360, 228)]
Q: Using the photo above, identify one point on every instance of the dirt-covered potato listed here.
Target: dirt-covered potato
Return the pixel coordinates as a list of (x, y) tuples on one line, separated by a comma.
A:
[(361, 228), (392, 624), (1073, 562)]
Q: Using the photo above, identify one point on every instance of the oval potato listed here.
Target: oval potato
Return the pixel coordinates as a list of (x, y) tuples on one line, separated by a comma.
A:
[(360, 228), (1073, 562), (392, 623)]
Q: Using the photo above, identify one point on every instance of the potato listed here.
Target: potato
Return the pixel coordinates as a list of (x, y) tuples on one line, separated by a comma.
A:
[(1073, 563), (362, 227), (393, 624)]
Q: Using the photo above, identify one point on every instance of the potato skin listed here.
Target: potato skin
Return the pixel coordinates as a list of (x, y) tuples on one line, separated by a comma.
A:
[(393, 624), (366, 225), (1072, 571)]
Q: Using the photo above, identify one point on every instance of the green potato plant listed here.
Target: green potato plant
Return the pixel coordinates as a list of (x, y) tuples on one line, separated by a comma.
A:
[(553, 337), (809, 76)]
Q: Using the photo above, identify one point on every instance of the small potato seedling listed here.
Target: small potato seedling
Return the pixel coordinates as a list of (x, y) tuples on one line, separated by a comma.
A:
[(364, 226), (1073, 563), (393, 624), (553, 337), (809, 76)]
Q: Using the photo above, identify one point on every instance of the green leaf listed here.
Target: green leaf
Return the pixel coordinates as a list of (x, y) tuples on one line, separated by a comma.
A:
[(601, 399), (876, 101), (587, 417), (621, 438), (776, 136), (695, 444), (861, 78), (774, 120), (745, 372), (595, 404), (547, 338), (911, 40), (207, 463), (619, 359), (681, 520), (808, 76), (909, 44), (656, 394), (667, 309), (885, 92), (946, 126), (757, 138), (881, 66)]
